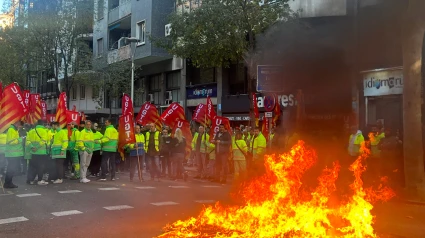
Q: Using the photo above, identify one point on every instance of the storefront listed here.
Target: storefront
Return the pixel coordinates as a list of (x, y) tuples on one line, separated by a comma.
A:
[(198, 94), (383, 90)]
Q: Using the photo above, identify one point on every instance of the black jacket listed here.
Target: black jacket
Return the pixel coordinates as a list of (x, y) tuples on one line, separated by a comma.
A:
[(225, 142), (177, 147), (165, 145)]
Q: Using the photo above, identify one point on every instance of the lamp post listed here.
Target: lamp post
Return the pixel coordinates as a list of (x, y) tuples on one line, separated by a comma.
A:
[(132, 40)]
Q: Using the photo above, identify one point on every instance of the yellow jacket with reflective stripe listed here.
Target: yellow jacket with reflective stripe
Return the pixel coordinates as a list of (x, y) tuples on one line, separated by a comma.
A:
[(60, 143), (85, 140), (39, 138), (13, 143), (147, 137), (3, 137), (237, 153), (258, 146), (211, 151), (140, 138), (205, 141), (110, 139)]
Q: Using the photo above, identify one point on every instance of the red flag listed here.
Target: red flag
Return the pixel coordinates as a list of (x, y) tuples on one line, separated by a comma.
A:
[(50, 118), (200, 114), (43, 110), (174, 112), (125, 132), (148, 114), (61, 110), (265, 128), (185, 127), (215, 126), (26, 94), (210, 110), (35, 107), (13, 106), (277, 111), (72, 116), (256, 113), (127, 105)]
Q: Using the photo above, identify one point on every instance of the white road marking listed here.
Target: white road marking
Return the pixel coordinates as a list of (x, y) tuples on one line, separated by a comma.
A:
[(200, 180), (108, 189), (70, 191), (178, 186), (205, 201), (28, 195), (211, 186), (116, 208), (164, 203), (12, 220), (145, 187), (66, 213)]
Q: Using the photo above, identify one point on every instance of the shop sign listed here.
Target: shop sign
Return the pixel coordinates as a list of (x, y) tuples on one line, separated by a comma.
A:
[(201, 91), (283, 100), (385, 82), (239, 118)]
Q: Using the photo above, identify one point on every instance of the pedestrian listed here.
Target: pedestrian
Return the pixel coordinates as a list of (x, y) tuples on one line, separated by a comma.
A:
[(73, 150), (239, 154), (211, 162), (13, 154), (85, 146), (164, 151), (223, 143), (200, 143), (137, 150), (96, 160), (258, 149), (109, 150), (152, 146), (178, 151), (59, 147), (39, 142)]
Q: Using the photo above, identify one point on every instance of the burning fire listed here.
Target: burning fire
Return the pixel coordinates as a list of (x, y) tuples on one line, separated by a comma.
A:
[(278, 205)]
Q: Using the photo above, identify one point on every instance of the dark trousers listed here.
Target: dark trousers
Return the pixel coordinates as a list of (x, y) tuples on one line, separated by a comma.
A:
[(166, 164), (13, 168), (50, 169), (96, 162), (134, 164), (177, 159), (154, 165), (59, 168), (36, 167), (108, 157), (222, 166), (24, 163), (3, 164)]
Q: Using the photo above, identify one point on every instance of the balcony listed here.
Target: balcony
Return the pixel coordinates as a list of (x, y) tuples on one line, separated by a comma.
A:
[(120, 54), (118, 12)]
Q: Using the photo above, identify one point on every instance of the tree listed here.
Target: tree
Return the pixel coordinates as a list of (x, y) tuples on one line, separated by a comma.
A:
[(413, 37), (219, 33)]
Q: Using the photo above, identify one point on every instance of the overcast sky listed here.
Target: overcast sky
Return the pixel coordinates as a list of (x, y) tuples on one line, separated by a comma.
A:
[(1, 5)]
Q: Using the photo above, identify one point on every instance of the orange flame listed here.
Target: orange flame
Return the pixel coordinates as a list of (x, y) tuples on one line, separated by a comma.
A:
[(277, 204)]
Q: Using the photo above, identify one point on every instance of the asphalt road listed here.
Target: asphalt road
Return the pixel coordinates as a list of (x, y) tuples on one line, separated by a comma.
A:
[(103, 209)]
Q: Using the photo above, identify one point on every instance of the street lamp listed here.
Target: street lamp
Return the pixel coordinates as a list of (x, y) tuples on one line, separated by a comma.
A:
[(132, 40)]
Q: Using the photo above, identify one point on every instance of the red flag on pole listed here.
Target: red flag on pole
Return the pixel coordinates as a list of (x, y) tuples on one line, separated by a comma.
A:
[(210, 110), (35, 108), (148, 114), (26, 94), (127, 105), (125, 132), (256, 113), (43, 110), (61, 110), (265, 128), (174, 112), (215, 126), (72, 116), (13, 106), (185, 127), (200, 114), (51, 118)]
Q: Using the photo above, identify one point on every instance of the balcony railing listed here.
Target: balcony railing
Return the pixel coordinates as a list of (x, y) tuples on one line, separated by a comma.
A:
[(123, 10), (120, 54)]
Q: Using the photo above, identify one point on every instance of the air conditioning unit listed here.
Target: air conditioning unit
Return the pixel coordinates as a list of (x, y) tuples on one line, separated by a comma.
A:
[(150, 98), (168, 95), (122, 42), (168, 30)]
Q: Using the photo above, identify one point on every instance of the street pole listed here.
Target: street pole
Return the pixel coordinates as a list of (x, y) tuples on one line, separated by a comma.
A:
[(132, 79)]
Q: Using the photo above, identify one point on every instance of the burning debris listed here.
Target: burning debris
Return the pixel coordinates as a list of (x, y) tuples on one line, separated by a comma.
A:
[(278, 205)]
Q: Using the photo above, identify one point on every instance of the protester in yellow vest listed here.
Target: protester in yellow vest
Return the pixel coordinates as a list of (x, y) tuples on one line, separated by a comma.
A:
[(13, 153), (96, 159), (152, 151), (2, 150), (375, 138), (239, 151), (59, 147), (258, 145), (39, 141), (85, 145), (109, 150), (211, 162), (200, 143), (354, 142), (136, 152)]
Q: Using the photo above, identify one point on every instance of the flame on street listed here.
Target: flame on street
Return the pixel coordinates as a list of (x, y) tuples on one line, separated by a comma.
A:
[(278, 205)]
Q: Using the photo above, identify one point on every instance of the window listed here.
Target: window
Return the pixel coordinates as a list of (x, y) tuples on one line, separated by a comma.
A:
[(155, 88), (173, 85), (100, 47), (82, 92), (100, 9), (95, 92), (74, 93), (141, 32)]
